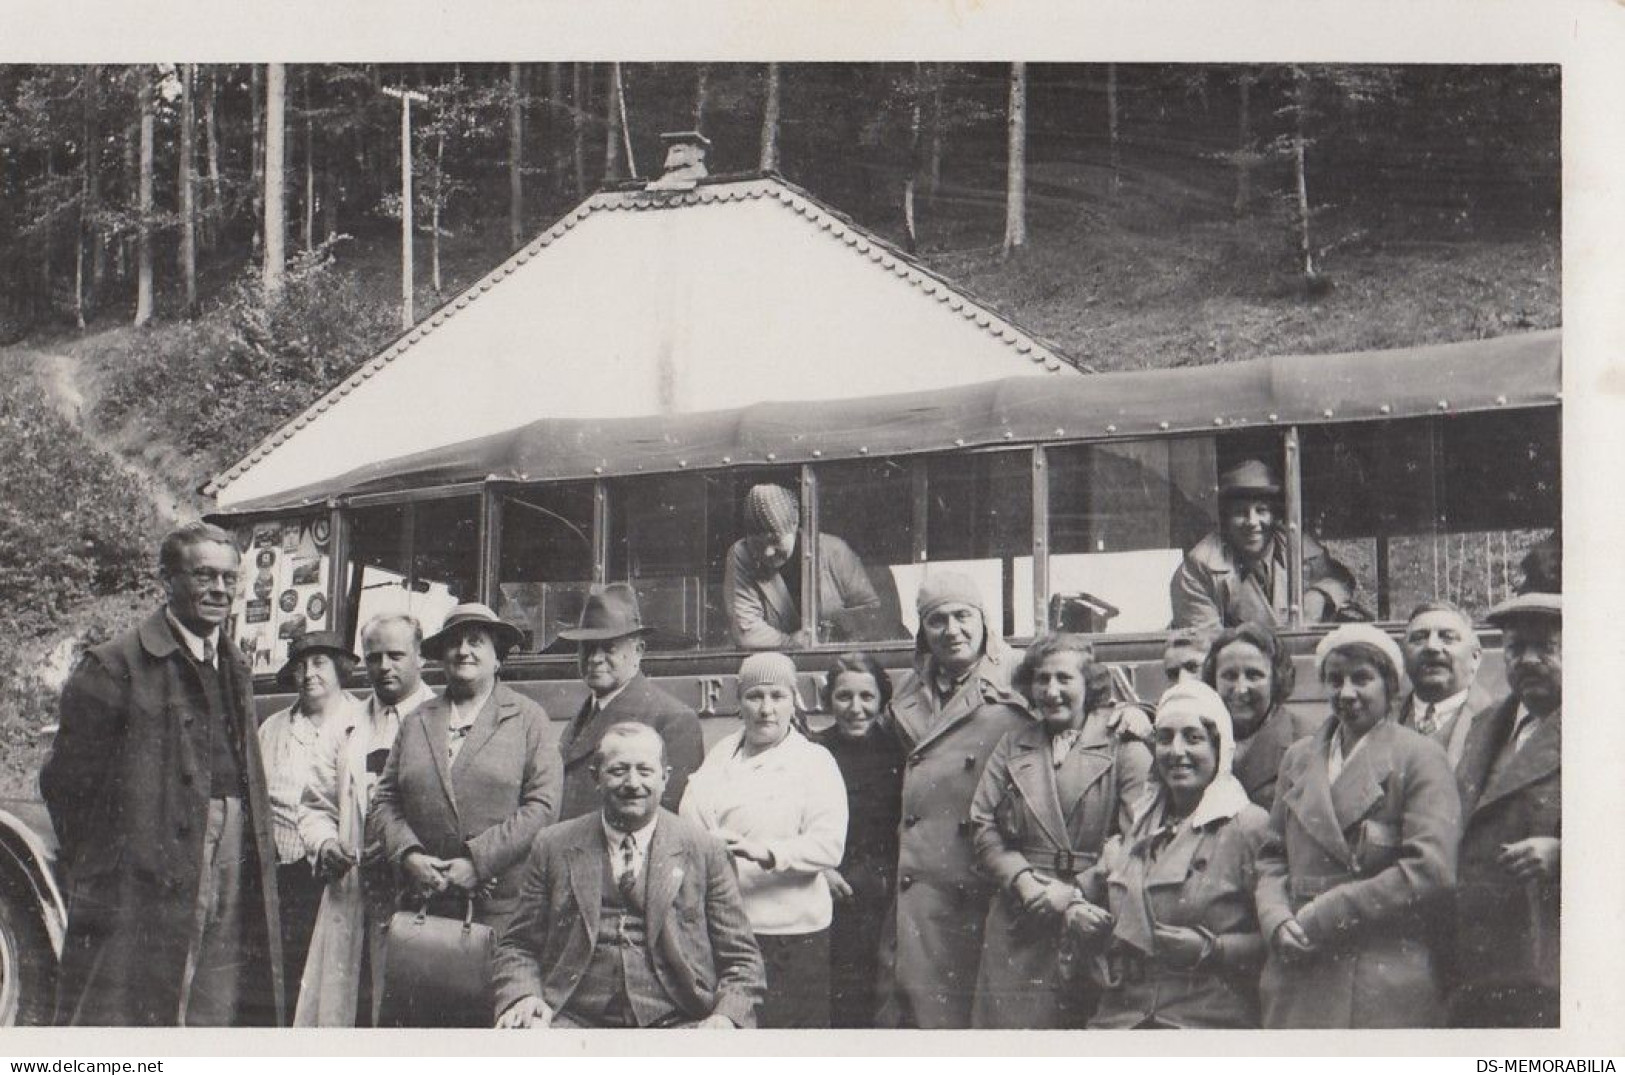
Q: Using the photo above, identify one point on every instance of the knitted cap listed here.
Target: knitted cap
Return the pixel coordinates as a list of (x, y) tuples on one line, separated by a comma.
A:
[(946, 588), (771, 509), (767, 669), (1360, 634)]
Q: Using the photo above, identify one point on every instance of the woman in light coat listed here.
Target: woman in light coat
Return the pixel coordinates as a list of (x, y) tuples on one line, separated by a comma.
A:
[(1361, 852), (1166, 925), (1052, 793)]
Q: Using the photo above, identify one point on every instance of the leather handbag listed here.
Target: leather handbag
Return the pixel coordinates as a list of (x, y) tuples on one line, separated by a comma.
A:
[(437, 971)]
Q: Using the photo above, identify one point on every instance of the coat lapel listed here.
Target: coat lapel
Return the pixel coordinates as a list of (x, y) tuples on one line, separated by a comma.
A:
[(587, 858), (1310, 800), (1540, 757), (432, 721), (1258, 764), (776, 595), (1173, 863), (1033, 773), (1359, 785), (664, 873), (497, 708)]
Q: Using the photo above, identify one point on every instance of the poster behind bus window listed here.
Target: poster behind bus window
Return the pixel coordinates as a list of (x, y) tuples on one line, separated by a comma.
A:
[(286, 566)]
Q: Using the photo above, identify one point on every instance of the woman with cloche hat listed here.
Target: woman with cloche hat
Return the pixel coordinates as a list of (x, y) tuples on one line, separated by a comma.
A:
[(316, 668), (1361, 852), (474, 776)]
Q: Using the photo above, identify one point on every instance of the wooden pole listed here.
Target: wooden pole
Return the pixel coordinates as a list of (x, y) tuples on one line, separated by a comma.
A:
[(406, 98)]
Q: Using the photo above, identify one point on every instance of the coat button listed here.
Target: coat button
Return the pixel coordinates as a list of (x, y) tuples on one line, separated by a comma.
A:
[(910, 821), (904, 882), (186, 780), (970, 761)]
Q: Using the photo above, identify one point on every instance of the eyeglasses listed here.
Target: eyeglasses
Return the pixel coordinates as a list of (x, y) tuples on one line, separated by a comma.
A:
[(206, 576)]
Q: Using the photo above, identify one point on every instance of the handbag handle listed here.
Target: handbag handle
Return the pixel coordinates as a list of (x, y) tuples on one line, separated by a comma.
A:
[(468, 913)]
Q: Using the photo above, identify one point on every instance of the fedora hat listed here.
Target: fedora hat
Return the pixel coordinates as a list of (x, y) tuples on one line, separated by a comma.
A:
[(1249, 477), (610, 612), (506, 635), (328, 642)]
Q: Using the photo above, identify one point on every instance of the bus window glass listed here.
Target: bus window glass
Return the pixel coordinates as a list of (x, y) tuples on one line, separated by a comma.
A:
[(544, 561), (421, 559), (1121, 517), (1433, 507), (886, 522), (671, 537)]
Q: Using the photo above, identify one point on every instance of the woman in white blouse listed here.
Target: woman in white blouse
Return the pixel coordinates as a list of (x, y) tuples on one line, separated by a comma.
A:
[(779, 804)]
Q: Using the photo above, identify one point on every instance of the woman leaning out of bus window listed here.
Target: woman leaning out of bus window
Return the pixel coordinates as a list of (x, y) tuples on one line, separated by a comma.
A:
[(1362, 847), (1251, 668), (1051, 795), (1165, 925), (777, 801), (856, 692)]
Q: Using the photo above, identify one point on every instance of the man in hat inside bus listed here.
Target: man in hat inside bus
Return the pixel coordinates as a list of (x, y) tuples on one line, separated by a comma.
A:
[(610, 640), (763, 577), (1509, 871), (1238, 573)]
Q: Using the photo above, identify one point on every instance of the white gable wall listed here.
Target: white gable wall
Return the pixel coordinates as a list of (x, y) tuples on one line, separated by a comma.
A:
[(638, 312)]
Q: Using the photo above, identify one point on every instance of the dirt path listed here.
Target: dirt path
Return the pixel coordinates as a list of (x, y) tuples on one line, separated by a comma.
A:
[(62, 378)]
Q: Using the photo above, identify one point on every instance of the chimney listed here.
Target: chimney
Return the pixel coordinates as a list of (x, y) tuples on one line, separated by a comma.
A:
[(685, 161)]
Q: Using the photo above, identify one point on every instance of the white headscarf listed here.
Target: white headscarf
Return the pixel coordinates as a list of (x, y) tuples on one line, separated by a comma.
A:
[(1225, 796)]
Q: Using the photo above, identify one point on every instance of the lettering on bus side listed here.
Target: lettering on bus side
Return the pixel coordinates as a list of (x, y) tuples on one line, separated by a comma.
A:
[(710, 688)]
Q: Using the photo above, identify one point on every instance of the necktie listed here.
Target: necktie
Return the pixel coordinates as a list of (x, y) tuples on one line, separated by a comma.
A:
[(208, 653), (1430, 720), (627, 882)]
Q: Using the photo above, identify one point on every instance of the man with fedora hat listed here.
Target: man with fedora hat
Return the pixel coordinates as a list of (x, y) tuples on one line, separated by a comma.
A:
[(610, 639), (1238, 573), (317, 665), (1509, 872)]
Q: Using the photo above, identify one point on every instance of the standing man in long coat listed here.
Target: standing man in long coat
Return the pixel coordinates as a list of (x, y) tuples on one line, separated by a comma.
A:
[(1510, 889), (157, 794), (948, 715), (611, 638)]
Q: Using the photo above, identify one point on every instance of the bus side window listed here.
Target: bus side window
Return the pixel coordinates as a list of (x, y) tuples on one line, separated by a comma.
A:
[(544, 564), (883, 524), (1438, 507), (421, 559)]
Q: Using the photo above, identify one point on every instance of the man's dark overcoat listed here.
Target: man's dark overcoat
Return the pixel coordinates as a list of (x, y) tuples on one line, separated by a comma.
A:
[(641, 702), (127, 786)]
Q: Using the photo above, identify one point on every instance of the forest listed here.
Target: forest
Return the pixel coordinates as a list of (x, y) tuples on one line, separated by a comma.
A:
[(191, 252)]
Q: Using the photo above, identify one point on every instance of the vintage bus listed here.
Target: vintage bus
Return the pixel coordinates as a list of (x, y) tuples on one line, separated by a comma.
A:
[(1428, 472)]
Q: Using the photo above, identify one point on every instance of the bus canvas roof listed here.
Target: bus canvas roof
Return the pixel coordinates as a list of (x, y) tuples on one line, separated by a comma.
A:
[(1506, 372), (645, 303)]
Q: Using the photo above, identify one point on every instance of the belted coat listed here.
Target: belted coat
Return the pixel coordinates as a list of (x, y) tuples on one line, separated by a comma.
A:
[(127, 786), (1363, 863), (1019, 822), (933, 944)]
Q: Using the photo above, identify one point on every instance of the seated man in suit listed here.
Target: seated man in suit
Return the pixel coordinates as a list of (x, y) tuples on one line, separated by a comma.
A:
[(610, 638), (629, 916)]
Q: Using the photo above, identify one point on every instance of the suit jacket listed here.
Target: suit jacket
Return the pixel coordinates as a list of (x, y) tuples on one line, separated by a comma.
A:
[(1507, 930), (644, 703), (1361, 863), (700, 944), (1258, 757), (1209, 590), (127, 786), (1478, 699), (488, 806)]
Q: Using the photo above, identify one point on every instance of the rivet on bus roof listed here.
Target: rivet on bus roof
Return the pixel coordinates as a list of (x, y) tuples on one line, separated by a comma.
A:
[(597, 470), (863, 449), (727, 459), (1327, 413), (959, 442), (1111, 429), (682, 462), (1219, 421), (1500, 401), (1558, 396), (1162, 425), (1274, 417), (1009, 435), (1059, 432), (818, 453), (772, 457), (1444, 404), (1386, 409)]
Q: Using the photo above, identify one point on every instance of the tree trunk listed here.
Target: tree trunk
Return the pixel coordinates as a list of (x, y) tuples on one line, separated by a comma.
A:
[(132, 181), (1111, 129), (770, 122), (626, 126), (310, 167), (1300, 90), (516, 160), (612, 125), (702, 95), (1015, 193), (183, 180), (434, 211), (257, 153), (330, 194), (916, 92), (143, 286), (214, 215), (939, 135), (275, 162), (553, 126), (577, 119), (91, 194), (1244, 145)]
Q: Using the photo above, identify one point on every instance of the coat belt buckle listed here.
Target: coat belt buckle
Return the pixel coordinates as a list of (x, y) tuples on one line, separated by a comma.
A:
[(1066, 861)]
